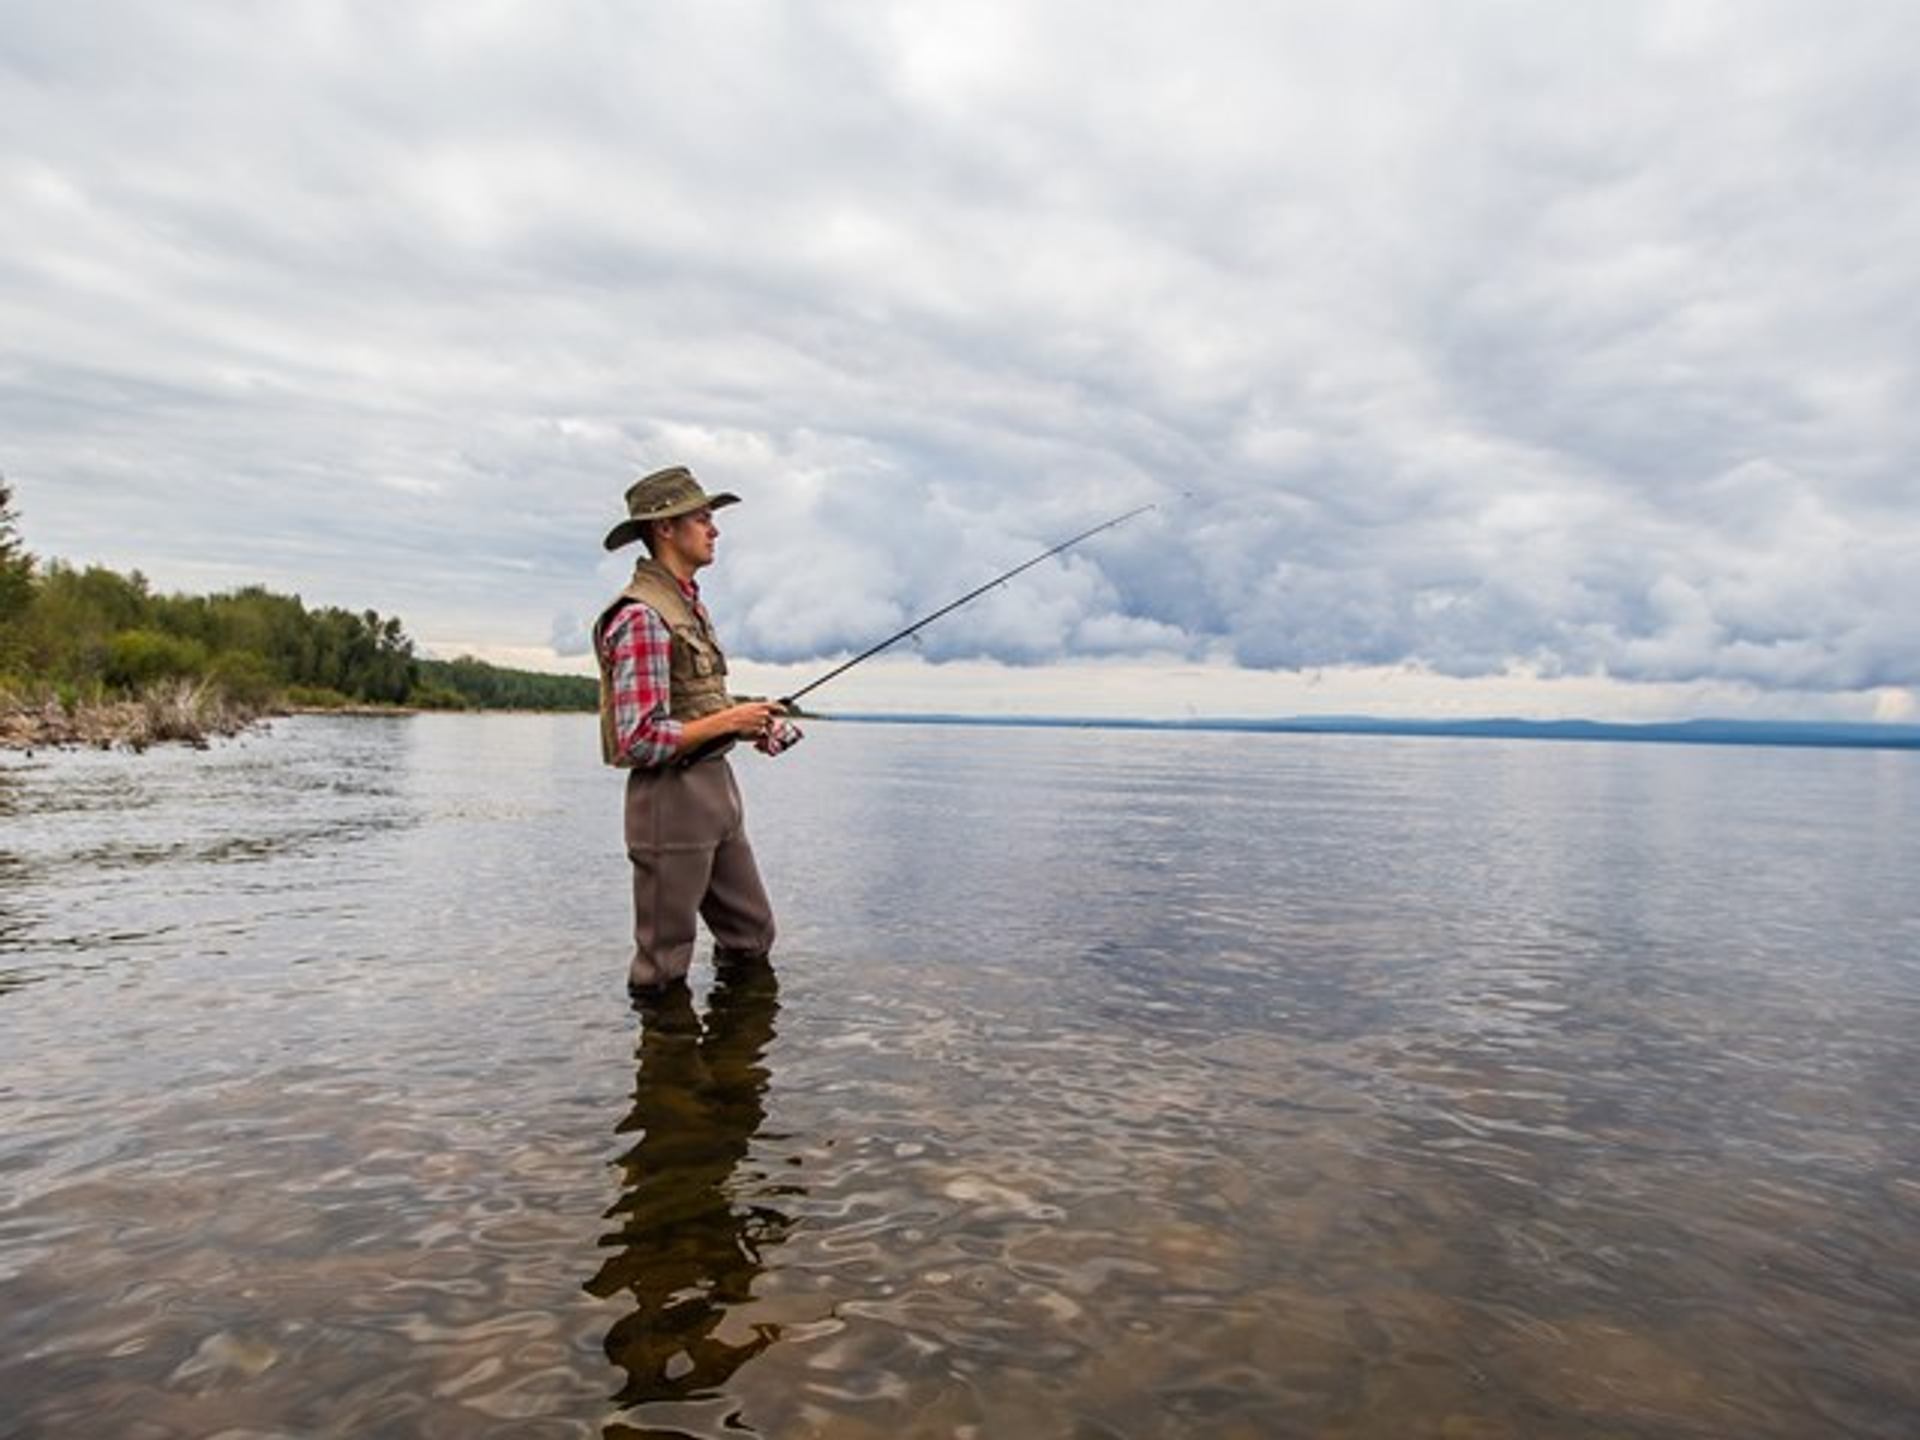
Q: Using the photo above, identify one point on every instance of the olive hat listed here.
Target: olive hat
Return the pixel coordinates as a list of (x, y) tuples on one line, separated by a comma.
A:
[(661, 496)]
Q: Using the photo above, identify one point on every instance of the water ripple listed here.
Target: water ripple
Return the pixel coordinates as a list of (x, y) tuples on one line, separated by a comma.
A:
[(1176, 1085)]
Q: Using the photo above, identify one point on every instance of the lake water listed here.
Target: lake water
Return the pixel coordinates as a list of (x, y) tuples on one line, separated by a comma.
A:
[(1106, 1085)]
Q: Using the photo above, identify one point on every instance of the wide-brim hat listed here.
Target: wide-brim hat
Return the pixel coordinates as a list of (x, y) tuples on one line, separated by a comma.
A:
[(661, 496)]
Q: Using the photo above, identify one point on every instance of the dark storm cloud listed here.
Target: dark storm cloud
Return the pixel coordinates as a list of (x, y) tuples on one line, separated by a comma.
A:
[(1467, 336)]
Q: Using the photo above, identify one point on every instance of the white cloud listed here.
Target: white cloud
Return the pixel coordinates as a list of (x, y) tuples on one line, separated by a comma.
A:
[(1491, 341), (570, 636)]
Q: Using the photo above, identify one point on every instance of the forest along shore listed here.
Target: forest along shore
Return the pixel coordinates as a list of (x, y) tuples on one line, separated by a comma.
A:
[(92, 657)]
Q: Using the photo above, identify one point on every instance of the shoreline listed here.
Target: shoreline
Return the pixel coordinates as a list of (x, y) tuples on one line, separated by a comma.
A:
[(179, 717), (352, 709), (184, 716)]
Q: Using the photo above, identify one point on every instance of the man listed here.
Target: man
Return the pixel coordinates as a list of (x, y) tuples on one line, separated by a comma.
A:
[(666, 718)]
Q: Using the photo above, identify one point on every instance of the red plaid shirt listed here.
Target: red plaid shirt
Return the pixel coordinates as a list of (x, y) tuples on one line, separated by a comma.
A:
[(637, 646)]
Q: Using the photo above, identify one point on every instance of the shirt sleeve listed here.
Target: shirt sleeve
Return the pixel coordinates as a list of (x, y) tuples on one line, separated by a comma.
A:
[(637, 646)]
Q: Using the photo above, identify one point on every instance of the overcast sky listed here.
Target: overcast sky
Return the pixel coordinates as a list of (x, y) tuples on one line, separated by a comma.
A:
[(1539, 358)]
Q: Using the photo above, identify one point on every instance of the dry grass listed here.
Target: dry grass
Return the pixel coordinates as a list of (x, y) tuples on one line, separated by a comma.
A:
[(179, 711)]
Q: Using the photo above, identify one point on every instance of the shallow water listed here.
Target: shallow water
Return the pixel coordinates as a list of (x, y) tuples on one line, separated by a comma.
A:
[(1108, 1085)]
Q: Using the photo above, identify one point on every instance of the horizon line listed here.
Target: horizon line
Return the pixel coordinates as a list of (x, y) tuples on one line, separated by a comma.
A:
[(1708, 730)]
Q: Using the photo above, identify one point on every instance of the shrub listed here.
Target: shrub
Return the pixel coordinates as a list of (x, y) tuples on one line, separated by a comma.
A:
[(315, 697), (429, 696), (177, 710), (137, 658), (244, 678)]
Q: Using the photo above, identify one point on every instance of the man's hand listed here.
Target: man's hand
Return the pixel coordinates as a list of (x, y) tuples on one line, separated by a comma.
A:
[(750, 719), (755, 717)]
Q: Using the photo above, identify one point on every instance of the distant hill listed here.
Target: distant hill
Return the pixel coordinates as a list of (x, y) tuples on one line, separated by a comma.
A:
[(1680, 732)]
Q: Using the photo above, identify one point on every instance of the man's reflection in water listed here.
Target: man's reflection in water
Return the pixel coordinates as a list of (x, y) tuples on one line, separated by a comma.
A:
[(690, 1237)]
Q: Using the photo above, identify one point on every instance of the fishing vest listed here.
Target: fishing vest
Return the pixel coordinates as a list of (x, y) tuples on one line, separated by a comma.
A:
[(697, 669)]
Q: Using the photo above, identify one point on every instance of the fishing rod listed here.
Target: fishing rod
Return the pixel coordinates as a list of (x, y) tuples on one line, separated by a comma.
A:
[(787, 701)]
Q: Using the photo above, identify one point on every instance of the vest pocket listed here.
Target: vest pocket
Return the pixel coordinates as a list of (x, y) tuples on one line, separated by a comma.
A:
[(703, 659)]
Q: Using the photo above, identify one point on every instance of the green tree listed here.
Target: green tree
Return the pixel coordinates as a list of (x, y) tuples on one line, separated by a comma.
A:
[(64, 632), (16, 565), (490, 687), (95, 632)]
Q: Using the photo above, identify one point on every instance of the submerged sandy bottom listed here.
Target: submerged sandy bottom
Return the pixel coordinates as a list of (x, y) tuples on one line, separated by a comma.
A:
[(1136, 1085)]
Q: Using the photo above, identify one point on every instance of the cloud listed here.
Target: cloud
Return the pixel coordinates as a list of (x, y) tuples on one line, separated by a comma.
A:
[(570, 636), (1456, 337)]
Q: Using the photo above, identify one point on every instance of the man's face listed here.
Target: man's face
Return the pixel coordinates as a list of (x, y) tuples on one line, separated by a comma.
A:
[(691, 536)]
